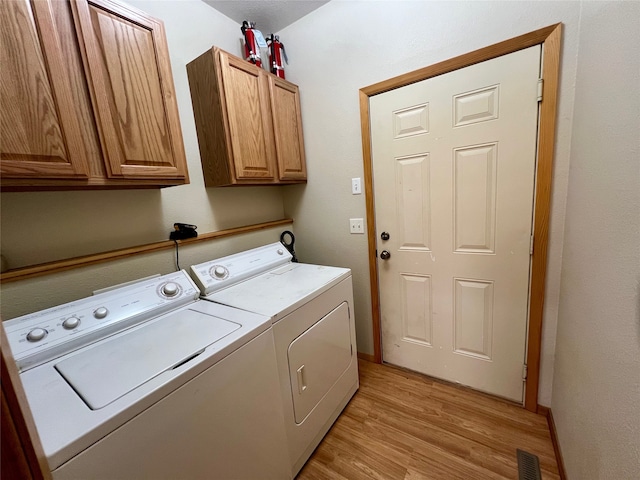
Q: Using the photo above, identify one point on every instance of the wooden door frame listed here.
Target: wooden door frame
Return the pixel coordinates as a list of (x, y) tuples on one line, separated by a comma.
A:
[(550, 37)]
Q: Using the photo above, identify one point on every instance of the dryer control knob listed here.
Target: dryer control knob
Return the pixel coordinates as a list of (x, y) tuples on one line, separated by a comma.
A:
[(36, 334), (280, 251), (170, 289), (220, 272), (100, 313), (71, 323)]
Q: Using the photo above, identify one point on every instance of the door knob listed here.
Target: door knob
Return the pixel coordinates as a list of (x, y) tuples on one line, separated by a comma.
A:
[(384, 236), (385, 255)]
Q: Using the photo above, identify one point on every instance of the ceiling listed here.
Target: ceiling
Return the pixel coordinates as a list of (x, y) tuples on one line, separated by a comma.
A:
[(270, 16)]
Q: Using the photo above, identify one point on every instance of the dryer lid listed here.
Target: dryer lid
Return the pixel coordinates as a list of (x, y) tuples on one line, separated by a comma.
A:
[(281, 290), (110, 369)]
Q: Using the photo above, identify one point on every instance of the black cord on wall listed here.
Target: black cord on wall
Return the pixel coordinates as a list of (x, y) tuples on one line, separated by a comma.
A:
[(177, 257)]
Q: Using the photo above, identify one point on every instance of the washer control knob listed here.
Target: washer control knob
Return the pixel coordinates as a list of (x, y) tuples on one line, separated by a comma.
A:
[(100, 313), (71, 323), (170, 289), (280, 251), (36, 334), (220, 272)]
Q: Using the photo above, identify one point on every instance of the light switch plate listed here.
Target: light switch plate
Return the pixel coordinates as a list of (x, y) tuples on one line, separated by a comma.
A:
[(356, 225), (356, 186)]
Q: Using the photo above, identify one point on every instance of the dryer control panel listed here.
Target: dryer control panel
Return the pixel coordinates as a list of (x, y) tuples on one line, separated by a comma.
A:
[(42, 336), (215, 275)]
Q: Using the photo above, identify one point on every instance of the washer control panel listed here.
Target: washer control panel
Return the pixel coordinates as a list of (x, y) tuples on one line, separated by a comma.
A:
[(39, 337), (221, 273)]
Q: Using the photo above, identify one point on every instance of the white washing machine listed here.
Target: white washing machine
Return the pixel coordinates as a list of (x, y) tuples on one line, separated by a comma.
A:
[(146, 381), (311, 307)]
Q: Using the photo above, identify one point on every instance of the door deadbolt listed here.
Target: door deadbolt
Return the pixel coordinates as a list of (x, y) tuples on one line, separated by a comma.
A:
[(384, 236), (385, 255)]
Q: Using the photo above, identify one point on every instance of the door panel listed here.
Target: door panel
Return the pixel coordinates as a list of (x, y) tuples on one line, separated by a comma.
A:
[(417, 323), (414, 206), (454, 169), (473, 317), (474, 198)]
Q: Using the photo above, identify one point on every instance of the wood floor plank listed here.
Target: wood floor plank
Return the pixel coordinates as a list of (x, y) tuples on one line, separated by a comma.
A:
[(319, 468), (428, 459), (379, 459), (358, 408), (404, 425), (468, 423), (354, 465), (496, 407), (420, 436), (446, 419)]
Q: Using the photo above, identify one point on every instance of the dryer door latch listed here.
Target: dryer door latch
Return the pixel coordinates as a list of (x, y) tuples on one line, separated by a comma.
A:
[(301, 384)]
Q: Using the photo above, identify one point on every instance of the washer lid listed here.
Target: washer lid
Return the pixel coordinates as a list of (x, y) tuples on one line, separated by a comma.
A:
[(111, 369)]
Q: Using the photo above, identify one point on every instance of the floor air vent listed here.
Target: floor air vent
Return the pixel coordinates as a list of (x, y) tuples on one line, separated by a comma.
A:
[(528, 466)]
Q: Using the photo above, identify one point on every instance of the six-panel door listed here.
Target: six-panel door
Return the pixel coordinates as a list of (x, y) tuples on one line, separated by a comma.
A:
[(454, 168)]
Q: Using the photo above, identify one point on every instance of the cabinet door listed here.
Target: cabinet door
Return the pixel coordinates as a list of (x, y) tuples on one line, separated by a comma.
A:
[(127, 65), (250, 131), (38, 125), (287, 125)]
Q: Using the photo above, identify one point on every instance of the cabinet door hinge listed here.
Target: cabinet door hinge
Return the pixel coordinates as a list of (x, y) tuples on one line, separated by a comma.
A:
[(540, 87), (524, 371), (531, 245)]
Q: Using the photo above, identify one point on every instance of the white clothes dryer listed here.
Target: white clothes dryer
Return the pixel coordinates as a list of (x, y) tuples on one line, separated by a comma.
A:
[(148, 381), (311, 307)]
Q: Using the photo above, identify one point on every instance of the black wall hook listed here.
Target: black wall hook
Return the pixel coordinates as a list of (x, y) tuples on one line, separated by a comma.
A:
[(289, 245)]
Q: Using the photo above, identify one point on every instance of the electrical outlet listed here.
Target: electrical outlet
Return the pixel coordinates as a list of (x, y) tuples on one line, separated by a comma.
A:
[(356, 225), (356, 186)]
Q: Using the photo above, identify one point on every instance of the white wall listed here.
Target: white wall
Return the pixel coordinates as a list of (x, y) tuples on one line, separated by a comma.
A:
[(31, 295), (44, 226), (596, 386), (346, 45)]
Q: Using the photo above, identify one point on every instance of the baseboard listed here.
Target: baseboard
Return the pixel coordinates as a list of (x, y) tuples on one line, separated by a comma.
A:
[(542, 410), (546, 411), (367, 357)]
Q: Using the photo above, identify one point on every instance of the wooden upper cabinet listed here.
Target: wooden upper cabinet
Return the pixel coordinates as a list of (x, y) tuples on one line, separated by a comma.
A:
[(39, 132), (287, 123), (87, 98), (248, 122), (246, 95), (127, 65)]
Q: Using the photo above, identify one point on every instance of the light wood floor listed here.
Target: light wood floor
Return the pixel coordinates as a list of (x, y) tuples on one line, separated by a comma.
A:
[(403, 425)]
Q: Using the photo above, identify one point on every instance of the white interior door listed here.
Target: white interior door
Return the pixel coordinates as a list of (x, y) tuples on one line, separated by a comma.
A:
[(454, 170)]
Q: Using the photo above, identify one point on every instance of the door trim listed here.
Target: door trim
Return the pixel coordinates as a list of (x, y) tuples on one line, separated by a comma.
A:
[(550, 37)]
